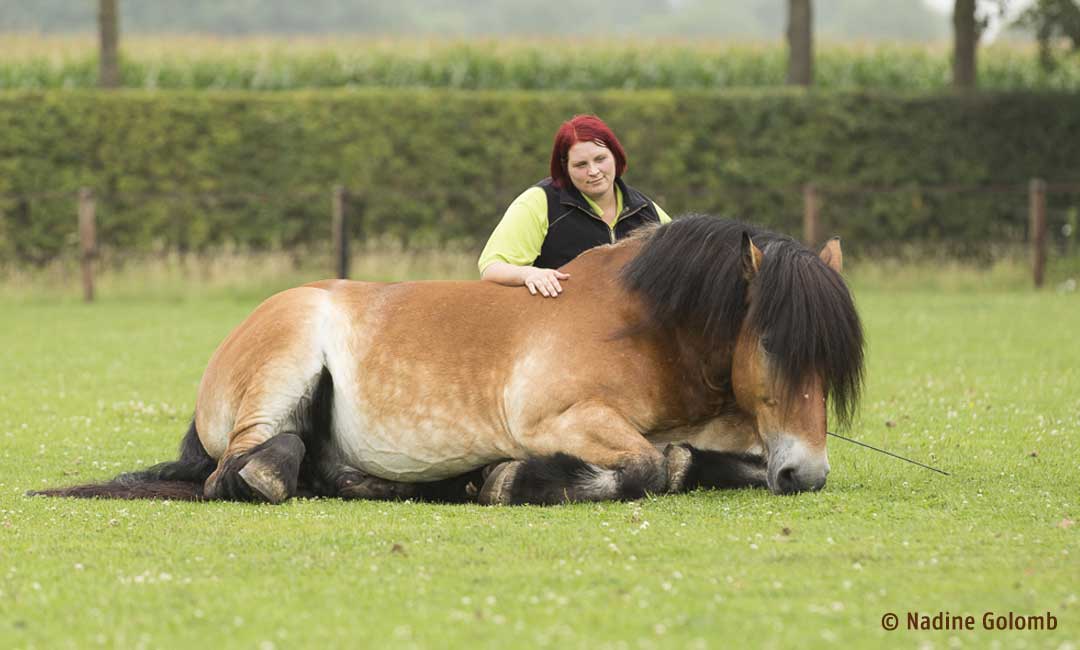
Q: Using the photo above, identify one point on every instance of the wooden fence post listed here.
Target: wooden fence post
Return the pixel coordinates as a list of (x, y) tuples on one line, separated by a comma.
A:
[(87, 241), (339, 229), (810, 225), (1037, 228)]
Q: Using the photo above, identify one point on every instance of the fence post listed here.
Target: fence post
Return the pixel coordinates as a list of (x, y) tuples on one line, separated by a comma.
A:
[(810, 225), (87, 241), (339, 229), (1037, 228)]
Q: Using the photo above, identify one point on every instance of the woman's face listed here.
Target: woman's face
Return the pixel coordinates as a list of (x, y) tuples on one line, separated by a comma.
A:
[(592, 169)]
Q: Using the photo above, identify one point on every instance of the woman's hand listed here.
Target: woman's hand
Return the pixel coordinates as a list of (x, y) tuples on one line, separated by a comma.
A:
[(544, 281)]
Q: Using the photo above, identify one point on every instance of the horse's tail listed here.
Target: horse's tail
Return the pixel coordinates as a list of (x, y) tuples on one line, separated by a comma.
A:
[(178, 480)]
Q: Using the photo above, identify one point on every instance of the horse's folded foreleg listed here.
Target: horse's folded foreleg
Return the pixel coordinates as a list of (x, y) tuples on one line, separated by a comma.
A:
[(690, 468), (586, 453), (563, 478)]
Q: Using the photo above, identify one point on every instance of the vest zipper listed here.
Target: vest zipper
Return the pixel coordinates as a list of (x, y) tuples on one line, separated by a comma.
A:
[(611, 228), (624, 215)]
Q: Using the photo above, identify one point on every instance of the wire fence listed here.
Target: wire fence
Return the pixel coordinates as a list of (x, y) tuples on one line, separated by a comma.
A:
[(1040, 215)]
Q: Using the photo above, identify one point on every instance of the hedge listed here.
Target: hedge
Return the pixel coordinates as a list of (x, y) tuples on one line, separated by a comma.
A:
[(195, 170)]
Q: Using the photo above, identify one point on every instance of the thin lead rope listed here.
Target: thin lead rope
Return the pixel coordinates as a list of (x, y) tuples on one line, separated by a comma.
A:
[(888, 453)]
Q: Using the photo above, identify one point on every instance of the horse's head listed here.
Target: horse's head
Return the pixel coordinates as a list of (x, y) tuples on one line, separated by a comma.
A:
[(776, 326), (799, 345)]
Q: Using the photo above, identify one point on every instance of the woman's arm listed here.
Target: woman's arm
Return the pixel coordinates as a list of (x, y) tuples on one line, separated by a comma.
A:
[(542, 281), (516, 242)]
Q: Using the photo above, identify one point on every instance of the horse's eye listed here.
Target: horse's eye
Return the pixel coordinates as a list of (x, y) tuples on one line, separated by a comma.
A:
[(770, 401)]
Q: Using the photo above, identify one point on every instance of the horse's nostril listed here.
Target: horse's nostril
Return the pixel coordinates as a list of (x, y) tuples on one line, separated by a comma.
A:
[(785, 480)]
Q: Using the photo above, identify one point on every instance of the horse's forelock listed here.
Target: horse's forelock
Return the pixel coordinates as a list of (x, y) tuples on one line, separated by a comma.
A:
[(806, 318)]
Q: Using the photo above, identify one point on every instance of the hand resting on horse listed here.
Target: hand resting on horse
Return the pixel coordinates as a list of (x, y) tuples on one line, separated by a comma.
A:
[(538, 281)]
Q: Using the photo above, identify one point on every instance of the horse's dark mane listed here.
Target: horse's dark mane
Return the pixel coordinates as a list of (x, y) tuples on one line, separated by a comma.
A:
[(690, 273)]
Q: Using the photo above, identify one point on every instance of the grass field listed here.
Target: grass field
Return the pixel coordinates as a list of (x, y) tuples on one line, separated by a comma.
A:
[(982, 382)]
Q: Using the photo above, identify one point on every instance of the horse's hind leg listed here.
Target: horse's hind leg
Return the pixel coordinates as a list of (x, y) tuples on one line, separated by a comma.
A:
[(268, 472), (264, 395), (262, 460)]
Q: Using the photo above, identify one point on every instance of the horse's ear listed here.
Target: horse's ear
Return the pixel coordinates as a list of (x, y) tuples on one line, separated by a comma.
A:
[(832, 255), (751, 257)]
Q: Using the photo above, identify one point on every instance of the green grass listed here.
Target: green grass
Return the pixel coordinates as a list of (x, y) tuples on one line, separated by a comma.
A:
[(983, 383)]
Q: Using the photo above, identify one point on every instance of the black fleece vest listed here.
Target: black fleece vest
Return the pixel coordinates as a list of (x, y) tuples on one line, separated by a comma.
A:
[(574, 228)]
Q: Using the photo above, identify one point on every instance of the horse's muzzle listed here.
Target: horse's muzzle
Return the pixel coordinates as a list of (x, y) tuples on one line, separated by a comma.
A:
[(794, 467)]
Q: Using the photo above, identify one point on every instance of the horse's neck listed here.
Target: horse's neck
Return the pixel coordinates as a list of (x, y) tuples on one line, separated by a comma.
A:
[(705, 373), (700, 376)]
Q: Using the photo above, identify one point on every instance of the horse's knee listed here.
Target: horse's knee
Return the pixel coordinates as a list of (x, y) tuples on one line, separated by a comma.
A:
[(267, 473)]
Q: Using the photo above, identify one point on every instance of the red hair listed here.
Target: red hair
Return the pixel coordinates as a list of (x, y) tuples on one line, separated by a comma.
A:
[(583, 128)]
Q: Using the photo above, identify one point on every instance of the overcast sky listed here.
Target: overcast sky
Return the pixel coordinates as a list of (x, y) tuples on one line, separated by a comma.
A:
[(991, 7)]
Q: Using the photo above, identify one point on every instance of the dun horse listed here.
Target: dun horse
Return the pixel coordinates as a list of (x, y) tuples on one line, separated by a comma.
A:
[(702, 353)]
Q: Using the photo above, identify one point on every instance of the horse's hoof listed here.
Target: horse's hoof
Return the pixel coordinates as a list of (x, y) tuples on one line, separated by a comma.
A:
[(679, 458), (497, 485), (486, 471), (264, 480), (471, 491)]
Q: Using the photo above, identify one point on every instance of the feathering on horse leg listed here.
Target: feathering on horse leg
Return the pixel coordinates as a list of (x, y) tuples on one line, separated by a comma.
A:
[(562, 478)]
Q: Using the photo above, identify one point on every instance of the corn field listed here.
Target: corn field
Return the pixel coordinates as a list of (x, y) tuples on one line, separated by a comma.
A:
[(175, 62)]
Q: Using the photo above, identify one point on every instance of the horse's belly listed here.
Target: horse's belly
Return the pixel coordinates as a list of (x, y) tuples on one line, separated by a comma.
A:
[(412, 402), (414, 450)]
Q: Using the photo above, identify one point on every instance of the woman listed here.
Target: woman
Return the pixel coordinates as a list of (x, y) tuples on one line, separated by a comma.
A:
[(584, 203)]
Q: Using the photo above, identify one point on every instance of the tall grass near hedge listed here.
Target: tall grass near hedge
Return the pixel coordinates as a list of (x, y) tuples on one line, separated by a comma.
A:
[(185, 62)]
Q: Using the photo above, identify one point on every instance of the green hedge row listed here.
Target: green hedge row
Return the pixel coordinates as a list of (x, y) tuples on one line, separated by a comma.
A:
[(194, 170)]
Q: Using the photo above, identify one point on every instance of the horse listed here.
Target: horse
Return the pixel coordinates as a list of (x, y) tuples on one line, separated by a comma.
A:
[(703, 353)]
